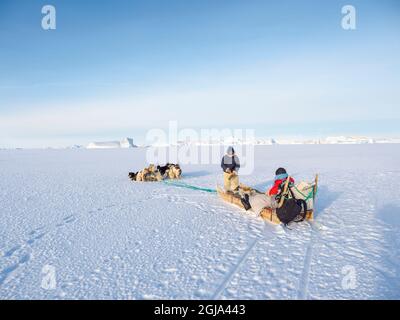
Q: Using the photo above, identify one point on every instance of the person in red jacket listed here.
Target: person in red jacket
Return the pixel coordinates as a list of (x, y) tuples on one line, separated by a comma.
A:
[(280, 177), (259, 201)]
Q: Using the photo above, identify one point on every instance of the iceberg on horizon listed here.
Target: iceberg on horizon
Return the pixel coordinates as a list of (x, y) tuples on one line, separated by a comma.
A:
[(124, 144)]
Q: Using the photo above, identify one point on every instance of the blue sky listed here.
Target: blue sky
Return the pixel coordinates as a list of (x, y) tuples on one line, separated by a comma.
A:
[(118, 68)]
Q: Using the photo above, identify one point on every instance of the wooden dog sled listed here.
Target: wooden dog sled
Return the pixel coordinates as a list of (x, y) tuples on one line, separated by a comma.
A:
[(266, 214)]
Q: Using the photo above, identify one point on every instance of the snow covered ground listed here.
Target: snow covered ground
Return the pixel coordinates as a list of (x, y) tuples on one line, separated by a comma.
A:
[(109, 238)]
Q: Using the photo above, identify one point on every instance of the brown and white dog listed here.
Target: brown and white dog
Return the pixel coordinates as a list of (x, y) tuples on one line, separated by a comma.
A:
[(175, 171), (147, 174), (170, 170)]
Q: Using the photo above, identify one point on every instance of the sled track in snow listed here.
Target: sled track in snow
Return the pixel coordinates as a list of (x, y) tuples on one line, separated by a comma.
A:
[(234, 270), (302, 291), (228, 278)]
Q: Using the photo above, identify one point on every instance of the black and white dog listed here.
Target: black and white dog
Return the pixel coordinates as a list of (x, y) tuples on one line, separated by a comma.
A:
[(170, 170)]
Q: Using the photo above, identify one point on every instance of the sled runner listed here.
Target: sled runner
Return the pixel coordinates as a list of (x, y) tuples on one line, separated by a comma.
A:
[(305, 191)]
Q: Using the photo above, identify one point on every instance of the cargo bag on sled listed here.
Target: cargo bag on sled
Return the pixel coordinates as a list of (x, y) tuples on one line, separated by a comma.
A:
[(292, 211), (289, 208)]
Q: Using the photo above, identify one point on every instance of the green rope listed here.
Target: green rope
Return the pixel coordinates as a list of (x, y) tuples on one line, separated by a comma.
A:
[(309, 196), (187, 186)]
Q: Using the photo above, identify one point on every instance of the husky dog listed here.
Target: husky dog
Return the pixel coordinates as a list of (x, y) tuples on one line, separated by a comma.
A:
[(163, 169), (153, 174), (170, 171), (142, 175), (147, 174), (132, 175), (175, 171)]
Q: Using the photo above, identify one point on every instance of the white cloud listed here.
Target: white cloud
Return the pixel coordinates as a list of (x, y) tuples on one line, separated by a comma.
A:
[(286, 93)]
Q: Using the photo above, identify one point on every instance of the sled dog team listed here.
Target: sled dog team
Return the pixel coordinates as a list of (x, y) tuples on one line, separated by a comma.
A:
[(153, 173), (230, 165), (284, 197)]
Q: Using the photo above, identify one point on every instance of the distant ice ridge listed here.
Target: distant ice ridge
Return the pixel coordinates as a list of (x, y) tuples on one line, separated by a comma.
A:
[(342, 140), (269, 141), (124, 144)]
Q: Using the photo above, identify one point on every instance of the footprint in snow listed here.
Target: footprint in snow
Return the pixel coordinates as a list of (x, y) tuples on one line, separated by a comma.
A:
[(65, 221), (69, 219), (33, 240), (34, 231), (8, 270), (25, 258), (10, 252)]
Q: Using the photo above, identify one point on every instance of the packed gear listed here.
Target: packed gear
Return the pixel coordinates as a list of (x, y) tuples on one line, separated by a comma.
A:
[(282, 208), (259, 201), (289, 208)]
